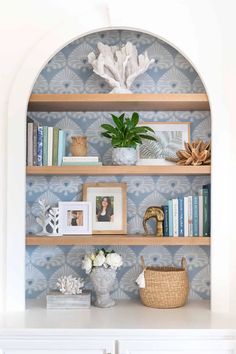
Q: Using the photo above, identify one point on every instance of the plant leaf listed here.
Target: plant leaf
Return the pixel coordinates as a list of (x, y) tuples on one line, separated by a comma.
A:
[(118, 122), (135, 118), (109, 128), (148, 137)]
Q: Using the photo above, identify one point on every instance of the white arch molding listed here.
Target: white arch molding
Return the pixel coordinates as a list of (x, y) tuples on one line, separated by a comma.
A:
[(63, 34)]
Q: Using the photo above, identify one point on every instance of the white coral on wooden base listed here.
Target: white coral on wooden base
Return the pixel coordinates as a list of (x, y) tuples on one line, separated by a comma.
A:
[(69, 285), (119, 67)]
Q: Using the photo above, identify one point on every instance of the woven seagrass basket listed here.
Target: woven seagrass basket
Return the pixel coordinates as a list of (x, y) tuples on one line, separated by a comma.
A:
[(165, 287)]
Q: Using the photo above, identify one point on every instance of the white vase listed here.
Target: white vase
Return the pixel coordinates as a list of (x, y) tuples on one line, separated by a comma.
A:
[(103, 280), (124, 156)]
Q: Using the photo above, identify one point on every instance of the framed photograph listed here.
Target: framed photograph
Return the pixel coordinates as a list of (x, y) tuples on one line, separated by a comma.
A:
[(170, 138), (108, 202), (75, 218)]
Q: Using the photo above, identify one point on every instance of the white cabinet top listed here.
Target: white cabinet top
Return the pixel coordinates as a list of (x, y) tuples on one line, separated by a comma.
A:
[(127, 317)]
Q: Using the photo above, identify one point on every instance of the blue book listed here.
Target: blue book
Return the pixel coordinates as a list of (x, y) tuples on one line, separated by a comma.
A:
[(40, 146), (181, 216), (61, 147), (45, 146), (195, 215), (166, 220), (170, 207)]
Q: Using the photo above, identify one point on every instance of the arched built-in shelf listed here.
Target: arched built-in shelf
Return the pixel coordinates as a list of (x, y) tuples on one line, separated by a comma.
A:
[(118, 170), (118, 102), (115, 240)]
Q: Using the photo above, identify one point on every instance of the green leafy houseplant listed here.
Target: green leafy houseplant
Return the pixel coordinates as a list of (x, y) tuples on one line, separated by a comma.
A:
[(125, 133)]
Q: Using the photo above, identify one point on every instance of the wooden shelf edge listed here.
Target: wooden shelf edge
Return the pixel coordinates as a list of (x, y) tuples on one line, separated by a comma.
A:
[(119, 170), (129, 240), (113, 102)]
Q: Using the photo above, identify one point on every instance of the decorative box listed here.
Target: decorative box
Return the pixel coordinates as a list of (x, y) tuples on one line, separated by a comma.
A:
[(57, 300)]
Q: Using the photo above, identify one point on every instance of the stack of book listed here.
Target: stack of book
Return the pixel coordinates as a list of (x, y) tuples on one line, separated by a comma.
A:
[(81, 161), (45, 145), (188, 216)]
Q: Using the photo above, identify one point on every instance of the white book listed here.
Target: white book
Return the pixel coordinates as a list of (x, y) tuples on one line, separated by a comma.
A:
[(30, 144), (50, 145), (190, 215), (175, 217), (80, 159), (185, 216), (200, 212)]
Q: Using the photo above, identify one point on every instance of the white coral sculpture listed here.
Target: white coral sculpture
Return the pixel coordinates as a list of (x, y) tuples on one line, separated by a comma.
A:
[(43, 217), (54, 221), (69, 285), (119, 67)]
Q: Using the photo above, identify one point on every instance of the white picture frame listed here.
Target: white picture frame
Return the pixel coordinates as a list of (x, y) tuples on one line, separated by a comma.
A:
[(75, 218), (171, 137)]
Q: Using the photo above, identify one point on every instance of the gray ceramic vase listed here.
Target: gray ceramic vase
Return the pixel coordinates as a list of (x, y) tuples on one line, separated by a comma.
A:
[(124, 156), (103, 280)]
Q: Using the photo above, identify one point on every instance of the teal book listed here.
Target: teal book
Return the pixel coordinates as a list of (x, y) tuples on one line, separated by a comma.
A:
[(181, 216), (45, 146), (206, 227), (208, 188), (88, 163), (170, 212), (195, 215), (61, 147), (166, 220), (55, 146)]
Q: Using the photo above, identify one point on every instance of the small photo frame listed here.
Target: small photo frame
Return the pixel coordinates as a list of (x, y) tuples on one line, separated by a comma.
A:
[(170, 138), (108, 200), (75, 218)]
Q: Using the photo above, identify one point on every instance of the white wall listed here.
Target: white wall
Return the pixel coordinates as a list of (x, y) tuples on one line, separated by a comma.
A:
[(195, 28)]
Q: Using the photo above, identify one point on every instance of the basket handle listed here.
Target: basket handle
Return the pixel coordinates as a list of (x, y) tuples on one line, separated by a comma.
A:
[(183, 263), (143, 263)]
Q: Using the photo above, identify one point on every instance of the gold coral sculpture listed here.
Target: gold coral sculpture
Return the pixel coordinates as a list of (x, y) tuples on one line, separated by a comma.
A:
[(196, 153)]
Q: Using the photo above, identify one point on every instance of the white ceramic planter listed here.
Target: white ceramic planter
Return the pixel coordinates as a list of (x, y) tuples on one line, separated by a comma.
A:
[(124, 156)]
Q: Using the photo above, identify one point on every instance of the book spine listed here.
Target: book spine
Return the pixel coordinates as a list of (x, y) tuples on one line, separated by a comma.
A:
[(55, 146), (200, 200), (81, 164), (190, 215), (185, 216), (45, 146), (30, 144), (50, 144), (208, 187), (80, 158), (195, 216), (175, 218), (205, 212), (61, 147), (35, 144), (170, 210), (166, 220), (40, 146), (181, 216)]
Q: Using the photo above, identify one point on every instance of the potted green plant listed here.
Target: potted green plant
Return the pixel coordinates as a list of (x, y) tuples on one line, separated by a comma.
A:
[(125, 136)]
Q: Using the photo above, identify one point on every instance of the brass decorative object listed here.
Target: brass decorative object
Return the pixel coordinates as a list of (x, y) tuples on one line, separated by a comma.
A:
[(196, 153), (78, 145), (157, 213)]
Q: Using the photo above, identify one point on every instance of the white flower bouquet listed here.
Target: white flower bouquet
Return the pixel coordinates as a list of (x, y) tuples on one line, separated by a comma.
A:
[(101, 258)]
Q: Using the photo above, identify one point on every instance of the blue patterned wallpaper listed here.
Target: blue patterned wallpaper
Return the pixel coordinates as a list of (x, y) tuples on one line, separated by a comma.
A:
[(69, 72)]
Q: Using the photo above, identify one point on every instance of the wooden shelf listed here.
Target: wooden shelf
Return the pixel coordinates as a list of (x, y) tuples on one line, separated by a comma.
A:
[(118, 102), (118, 170), (135, 240)]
